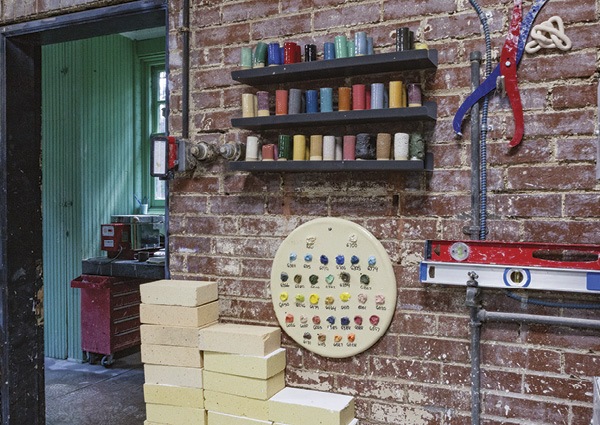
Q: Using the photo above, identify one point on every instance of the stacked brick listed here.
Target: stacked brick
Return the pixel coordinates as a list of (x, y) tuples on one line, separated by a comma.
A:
[(172, 312), (199, 372)]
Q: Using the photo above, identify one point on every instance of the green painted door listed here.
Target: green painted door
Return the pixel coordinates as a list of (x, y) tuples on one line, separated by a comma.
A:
[(91, 162)]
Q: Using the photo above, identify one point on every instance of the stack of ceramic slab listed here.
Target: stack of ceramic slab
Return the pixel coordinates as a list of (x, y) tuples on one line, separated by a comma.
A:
[(200, 372), (244, 367), (172, 313)]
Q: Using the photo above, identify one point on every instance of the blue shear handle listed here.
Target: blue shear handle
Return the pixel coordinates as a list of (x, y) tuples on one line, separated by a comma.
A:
[(490, 82)]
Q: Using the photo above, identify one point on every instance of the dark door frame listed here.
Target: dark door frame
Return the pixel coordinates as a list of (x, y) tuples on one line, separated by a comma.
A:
[(22, 395)]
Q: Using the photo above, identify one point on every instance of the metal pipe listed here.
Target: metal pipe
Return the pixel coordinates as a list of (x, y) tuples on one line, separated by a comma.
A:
[(473, 302), (475, 150), (488, 316), (185, 77)]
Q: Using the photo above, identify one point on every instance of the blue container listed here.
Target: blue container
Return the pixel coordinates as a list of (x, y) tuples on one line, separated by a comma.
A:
[(377, 96), (281, 50), (327, 99), (329, 51), (369, 45), (360, 43), (274, 54), (312, 101)]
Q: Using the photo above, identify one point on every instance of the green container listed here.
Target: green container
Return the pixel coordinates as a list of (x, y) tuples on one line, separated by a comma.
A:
[(350, 47), (284, 147), (341, 47)]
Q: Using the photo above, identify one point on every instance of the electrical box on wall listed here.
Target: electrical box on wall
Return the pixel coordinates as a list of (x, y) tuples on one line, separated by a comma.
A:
[(333, 287)]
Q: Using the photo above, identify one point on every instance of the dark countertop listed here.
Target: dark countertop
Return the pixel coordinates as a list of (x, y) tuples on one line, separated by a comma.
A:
[(123, 268)]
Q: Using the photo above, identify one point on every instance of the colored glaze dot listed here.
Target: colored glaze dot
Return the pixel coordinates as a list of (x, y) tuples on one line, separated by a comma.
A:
[(340, 259), (324, 259), (313, 279), (300, 298), (303, 318), (314, 298), (316, 320), (345, 296), (354, 259), (329, 279), (284, 277), (308, 257), (362, 298), (358, 320), (345, 277), (331, 320), (374, 319), (345, 321), (372, 261), (289, 318), (307, 335), (364, 279), (379, 299), (329, 300), (337, 338), (298, 278), (322, 337), (293, 257), (283, 296), (351, 337)]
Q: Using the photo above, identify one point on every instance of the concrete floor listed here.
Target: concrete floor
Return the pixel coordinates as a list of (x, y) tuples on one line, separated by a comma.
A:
[(83, 394)]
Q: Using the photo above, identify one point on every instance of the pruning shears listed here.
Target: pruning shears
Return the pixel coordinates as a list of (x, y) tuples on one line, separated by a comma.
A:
[(506, 70)]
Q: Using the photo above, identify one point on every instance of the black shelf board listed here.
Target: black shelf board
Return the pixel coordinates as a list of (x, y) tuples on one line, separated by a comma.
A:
[(325, 166), (344, 67), (418, 113)]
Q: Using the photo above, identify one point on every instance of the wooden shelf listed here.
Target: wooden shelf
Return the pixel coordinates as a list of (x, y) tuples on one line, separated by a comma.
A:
[(427, 112), (324, 166), (344, 67)]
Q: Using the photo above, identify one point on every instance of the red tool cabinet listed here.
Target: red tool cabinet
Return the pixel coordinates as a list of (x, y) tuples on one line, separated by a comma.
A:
[(110, 315)]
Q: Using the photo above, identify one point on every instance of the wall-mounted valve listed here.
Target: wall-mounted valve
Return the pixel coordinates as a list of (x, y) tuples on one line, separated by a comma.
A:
[(233, 151)]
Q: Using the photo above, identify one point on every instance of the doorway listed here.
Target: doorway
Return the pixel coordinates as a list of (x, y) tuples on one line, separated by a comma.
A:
[(21, 244)]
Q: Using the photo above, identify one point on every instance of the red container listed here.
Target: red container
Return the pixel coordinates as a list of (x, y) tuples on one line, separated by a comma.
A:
[(110, 313), (289, 52), (358, 97)]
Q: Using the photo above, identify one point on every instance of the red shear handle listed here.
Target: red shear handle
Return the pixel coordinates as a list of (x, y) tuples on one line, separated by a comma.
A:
[(508, 68)]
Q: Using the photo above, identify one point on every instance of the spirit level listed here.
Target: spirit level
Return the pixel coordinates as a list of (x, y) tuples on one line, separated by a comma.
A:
[(557, 267)]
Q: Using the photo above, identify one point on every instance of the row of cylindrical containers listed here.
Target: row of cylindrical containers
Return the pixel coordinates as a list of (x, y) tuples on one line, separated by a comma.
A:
[(274, 54), (358, 97), (363, 146)]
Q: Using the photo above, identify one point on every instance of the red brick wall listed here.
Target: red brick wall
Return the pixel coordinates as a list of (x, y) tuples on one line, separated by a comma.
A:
[(227, 226)]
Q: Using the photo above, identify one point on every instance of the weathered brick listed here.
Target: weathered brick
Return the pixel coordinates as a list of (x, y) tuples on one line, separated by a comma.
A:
[(250, 10), (449, 78), (566, 337), (211, 121), (246, 247), (347, 16), (250, 183), (428, 348), (418, 229), (435, 205), (381, 390), (242, 287), (222, 35), (525, 409), (237, 205), (289, 6), (219, 266), (205, 16), (394, 413), (210, 225), (246, 309), (562, 231), (575, 96), (411, 370), (460, 25), (281, 26), (203, 79), (438, 396), (559, 387), (298, 205), (576, 149), (309, 379), (187, 204), (582, 364), (416, 324), (564, 177), (529, 150), (362, 206), (518, 357), (582, 205), (257, 268), (396, 10), (268, 226), (581, 11), (449, 181), (189, 245), (516, 205), (356, 365), (204, 185), (540, 68)]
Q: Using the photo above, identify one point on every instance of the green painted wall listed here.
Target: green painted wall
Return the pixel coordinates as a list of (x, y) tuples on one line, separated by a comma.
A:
[(92, 164)]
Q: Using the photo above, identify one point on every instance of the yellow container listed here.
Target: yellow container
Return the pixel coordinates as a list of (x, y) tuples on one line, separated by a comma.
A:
[(299, 147), (396, 89)]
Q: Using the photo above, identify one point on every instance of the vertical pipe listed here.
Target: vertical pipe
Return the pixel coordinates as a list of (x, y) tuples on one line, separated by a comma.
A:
[(472, 301), (185, 77), (475, 149)]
